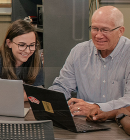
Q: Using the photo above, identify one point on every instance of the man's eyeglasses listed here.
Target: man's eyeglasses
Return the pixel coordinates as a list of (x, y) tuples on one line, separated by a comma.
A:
[(23, 46), (103, 30)]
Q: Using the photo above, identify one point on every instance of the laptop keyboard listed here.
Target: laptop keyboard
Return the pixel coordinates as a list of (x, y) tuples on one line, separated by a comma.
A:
[(83, 126)]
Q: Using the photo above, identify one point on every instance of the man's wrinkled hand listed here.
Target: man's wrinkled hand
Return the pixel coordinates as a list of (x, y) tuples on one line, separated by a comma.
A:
[(80, 107)]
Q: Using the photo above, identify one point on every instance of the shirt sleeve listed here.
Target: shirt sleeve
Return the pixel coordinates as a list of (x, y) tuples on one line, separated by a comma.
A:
[(115, 104), (66, 82)]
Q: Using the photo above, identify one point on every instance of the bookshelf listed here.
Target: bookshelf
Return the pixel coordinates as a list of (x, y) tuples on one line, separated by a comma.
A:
[(5, 17)]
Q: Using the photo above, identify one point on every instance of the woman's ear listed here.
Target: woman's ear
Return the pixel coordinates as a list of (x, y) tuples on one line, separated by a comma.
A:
[(8, 42)]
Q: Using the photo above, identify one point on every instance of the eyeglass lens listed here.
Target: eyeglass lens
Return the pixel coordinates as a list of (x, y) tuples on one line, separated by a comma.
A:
[(22, 47)]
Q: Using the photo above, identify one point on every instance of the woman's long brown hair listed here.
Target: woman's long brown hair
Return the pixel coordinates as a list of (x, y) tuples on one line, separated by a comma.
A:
[(32, 66)]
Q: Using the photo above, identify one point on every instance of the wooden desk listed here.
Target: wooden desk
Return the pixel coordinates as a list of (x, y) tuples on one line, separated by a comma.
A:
[(115, 133)]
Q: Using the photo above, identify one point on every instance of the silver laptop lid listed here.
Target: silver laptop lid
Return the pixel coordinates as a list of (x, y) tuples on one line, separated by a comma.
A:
[(11, 98)]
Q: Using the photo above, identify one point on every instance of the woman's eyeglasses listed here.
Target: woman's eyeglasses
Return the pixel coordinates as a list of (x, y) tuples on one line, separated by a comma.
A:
[(23, 46)]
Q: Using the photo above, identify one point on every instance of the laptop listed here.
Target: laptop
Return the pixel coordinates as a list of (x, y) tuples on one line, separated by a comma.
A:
[(51, 105), (12, 98)]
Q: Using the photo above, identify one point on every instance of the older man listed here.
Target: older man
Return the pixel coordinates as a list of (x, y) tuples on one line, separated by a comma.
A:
[(98, 69)]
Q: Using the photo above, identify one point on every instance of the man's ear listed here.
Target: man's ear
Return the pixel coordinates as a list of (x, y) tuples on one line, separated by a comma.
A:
[(122, 30), (8, 42)]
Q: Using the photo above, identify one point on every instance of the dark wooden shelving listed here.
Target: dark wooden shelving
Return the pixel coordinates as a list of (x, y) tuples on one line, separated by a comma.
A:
[(5, 5)]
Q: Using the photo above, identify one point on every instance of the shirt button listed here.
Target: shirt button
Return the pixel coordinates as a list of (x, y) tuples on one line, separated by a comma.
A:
[(104, 81), (104, 66), (103, 96)]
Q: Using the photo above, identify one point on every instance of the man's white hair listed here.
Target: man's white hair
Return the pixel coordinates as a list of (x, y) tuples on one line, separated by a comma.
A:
[(115, 15)]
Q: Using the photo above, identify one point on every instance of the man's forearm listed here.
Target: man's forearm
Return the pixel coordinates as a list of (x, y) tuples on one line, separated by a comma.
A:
[(125, 122), (128, 108), (112, 114)]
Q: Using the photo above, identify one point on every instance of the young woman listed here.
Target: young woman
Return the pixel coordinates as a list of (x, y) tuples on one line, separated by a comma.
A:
[(19, 55)]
